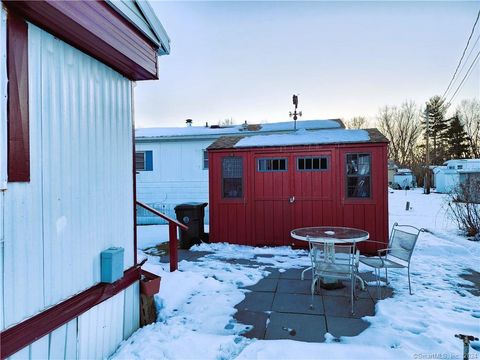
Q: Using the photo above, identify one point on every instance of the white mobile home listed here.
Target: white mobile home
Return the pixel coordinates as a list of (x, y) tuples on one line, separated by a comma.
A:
[(403, 179), (172, 163), (447, 177), (67, 172)]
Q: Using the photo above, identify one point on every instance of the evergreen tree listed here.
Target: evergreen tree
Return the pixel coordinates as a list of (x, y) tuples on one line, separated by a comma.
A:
[(438, 126), (457, 139)]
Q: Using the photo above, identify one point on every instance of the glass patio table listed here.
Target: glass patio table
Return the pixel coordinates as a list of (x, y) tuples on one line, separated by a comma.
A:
[(329, 236)]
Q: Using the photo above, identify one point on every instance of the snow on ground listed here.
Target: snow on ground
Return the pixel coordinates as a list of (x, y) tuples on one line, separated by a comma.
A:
[(196, 304), (151, 235)]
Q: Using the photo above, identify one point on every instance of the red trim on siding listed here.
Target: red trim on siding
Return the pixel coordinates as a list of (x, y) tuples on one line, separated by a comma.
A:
[(30, 330), (17, 108), (98, 30)]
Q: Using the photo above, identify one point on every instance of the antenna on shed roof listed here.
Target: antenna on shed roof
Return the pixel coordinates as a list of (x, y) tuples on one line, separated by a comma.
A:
[(295, 114)]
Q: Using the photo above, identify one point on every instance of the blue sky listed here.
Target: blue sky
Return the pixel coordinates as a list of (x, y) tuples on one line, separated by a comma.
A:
[(244, 60)]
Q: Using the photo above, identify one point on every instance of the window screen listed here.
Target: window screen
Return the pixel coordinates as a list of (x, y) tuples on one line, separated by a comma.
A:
[(232, 177), (272, 164), (312, 163), (140, 160), (358, 175)]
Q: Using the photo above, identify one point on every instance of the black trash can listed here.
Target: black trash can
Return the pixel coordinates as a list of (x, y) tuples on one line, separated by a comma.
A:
[(191, 214)]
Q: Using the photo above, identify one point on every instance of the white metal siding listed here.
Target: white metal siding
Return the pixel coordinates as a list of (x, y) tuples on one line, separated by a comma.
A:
[(23, 212), (100, 329), (131, 313), (177, 177), (93, 335), (3, 143), (79, 200), (59, 344)]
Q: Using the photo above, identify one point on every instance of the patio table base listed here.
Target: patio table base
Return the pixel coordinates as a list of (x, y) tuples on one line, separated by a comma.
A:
[(331, 284)]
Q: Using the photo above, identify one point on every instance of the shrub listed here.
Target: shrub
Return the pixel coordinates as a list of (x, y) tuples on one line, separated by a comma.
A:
[(464, 204)]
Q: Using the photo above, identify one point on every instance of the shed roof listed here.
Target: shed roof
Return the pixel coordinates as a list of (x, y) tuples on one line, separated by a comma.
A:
[(249, 129), (299, 138)]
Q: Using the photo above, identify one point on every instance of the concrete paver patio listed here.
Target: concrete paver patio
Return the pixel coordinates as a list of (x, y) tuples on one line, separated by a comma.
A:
[(279, 306)]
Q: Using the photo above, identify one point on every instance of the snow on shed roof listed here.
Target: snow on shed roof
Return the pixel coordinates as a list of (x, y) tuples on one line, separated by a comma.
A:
[(208, 132), (300, 137)]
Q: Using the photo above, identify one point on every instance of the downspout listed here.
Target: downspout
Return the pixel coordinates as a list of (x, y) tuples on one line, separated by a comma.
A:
[(2, 255), (134, 174), (3, 153)]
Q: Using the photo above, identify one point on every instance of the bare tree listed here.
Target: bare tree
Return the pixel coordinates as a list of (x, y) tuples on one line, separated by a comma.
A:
[(358, 122), (402, 128), (226, 122), (469, 113)]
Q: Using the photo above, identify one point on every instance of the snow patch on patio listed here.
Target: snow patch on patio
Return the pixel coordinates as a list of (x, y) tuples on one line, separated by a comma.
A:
[(196, 304)]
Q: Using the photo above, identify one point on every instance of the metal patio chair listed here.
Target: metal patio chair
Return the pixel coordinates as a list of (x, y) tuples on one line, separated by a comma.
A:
[(334, 261), (397, 255)]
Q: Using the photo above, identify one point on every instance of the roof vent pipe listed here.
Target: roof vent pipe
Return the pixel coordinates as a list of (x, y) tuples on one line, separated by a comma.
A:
[(189, 122)]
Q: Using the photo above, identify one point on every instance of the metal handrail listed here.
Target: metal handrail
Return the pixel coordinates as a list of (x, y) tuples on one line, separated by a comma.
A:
[(163, 216), (172, 234)]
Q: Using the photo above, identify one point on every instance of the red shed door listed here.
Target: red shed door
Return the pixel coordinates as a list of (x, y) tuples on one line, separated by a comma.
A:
[(272, 196), (312, 190)]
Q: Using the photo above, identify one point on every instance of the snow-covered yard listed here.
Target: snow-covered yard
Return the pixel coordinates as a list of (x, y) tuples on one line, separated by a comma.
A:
[(196, 304)]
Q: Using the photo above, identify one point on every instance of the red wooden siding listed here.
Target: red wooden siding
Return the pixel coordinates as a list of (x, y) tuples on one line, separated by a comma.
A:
[(18, 129), (96, 29), (266, 214)]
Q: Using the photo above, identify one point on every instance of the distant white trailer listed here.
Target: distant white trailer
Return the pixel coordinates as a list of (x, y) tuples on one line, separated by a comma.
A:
[(447, 177), (403, 179)]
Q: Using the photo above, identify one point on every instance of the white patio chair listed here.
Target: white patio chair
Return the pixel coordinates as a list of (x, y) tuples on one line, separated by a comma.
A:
[(339, 262), (397, 254)]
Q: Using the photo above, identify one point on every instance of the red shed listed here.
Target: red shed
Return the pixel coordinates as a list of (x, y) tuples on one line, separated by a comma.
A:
[(261, 187)]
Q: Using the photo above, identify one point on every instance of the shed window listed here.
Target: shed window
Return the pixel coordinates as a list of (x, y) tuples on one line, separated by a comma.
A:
[(272, 164), (358, 175), (232, 177), (144, 161), (312, 163), (205, 160)]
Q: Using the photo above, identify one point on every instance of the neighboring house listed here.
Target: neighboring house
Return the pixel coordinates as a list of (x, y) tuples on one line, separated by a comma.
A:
[(263, 186), (67, 172), (404, 179), (447, 177), (172, 163)]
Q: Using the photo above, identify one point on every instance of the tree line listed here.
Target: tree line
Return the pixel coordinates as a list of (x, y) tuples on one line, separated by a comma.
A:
[(406, 127)]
